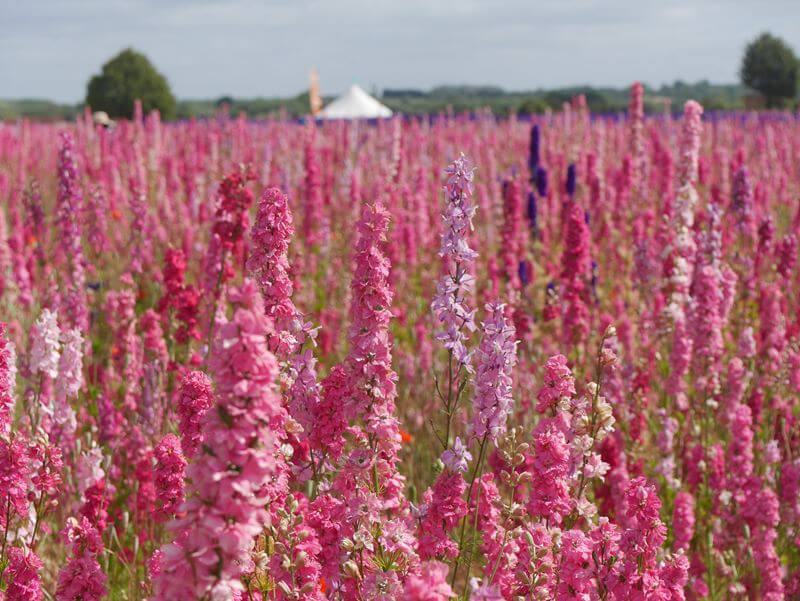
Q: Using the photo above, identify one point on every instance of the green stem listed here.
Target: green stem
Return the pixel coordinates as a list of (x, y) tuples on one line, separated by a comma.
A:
[(464, 519), (5, 535), (38, 507), (499, 556), (212, 318)]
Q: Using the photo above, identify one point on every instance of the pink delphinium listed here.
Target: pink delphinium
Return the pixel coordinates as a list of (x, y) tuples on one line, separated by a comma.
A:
[(742, 204), (370, 358), (96, 220), (441, 510), (760, 509), (550, 497), (429, 583), (790, 490), (120, 310), (232, 218), (269, 265), (511, 242), (558, 384), (575, 273), (173, 274), (14, 475), (179, 297), (304, 392), (140, 224), (6, 265), (225, 502), (638, 575), (575, 566), (497, 543), (381, 586), (684, 207), (312, 214), (786, 254), (605, 536), (577, 243), (8, 379), (195, 397), (324, 517), (636, 120), (88, 468), (665, 440), (680, 359), (169, 473), (683, 520), (97, 498), (706, 323), (482, 591), (154, 344), (690, 143), (773, 327), (44, 345), (227, 234), (330, 419), (22, 574), (46, 465), (294, 565), (82, 578), (497, 356), (67, 385), (74, 308), (70, 366), (133, 370), (144, 473), (727, 283)]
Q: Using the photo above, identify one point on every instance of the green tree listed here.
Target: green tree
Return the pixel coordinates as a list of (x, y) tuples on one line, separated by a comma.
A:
[(125, 78), (770, 67)]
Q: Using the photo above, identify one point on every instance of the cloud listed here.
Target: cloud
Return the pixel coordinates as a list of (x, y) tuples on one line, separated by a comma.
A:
[(206, 48)]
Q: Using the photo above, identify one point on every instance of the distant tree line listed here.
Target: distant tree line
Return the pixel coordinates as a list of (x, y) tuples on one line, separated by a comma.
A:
[(769, 68)]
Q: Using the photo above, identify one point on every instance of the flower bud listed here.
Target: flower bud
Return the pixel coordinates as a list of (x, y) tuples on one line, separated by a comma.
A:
[(351, 569), (284, 588)]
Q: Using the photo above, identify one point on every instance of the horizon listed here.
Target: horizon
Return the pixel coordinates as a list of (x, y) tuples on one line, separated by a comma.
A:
[(252, 50), (337, 93)]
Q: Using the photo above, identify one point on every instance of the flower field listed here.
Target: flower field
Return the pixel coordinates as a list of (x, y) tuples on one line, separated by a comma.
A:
[(450, 358)]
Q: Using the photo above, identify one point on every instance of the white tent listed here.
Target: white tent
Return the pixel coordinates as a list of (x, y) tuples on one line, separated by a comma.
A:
[(355, 104)]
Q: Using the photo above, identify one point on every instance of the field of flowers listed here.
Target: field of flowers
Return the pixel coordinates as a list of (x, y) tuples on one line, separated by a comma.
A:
[(410, 360)]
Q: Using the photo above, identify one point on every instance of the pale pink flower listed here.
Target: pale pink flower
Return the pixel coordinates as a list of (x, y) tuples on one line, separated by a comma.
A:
[(497, 356), (45, 345)]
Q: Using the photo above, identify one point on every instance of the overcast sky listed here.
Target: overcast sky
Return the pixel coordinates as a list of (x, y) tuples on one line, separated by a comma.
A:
[(246, 48)]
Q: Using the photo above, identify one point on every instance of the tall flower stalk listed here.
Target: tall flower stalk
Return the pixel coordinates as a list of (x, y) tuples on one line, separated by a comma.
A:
[(224, 510), (449, 305)]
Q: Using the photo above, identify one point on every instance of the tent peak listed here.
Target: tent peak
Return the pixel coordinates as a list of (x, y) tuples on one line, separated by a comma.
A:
[(355, 104)]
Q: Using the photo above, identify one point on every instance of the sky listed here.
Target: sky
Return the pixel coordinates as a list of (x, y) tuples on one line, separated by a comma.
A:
[(247, 48)]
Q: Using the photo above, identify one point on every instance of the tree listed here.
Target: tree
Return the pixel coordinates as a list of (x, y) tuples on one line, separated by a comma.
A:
[(125, 78), (770, 67)]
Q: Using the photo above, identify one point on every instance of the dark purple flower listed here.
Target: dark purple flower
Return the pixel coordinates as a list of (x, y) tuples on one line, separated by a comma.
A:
[(524, 272), (541, 181), (532, 210), (572, 176), (533, 157)]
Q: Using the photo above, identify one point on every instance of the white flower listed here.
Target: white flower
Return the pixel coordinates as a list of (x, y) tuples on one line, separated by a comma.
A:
[(45, 345)]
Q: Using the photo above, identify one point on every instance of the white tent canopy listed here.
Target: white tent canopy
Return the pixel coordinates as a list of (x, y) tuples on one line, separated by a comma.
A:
[(355, 104)]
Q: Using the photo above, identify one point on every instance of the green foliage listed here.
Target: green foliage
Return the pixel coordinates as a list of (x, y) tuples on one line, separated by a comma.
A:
[(456, 99), (125, 78), (41, 110), (770, 67)]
